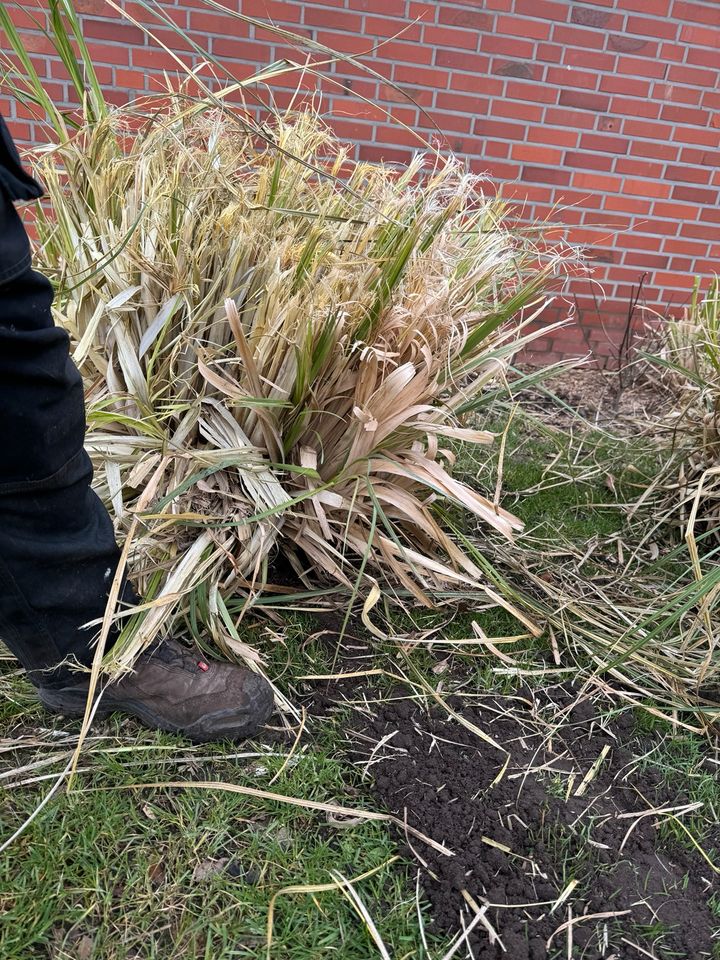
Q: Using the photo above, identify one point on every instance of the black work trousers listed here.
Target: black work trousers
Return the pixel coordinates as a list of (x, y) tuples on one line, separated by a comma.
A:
[(58, 554)]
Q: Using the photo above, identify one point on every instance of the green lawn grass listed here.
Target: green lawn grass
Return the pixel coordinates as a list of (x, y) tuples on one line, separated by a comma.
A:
[(113, 873)]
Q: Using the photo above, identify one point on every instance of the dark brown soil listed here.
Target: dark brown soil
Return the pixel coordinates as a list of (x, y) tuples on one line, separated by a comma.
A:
[(599, 397), (450, 784)]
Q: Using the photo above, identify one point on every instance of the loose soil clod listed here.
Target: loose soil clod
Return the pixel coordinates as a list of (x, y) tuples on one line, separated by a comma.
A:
[(570, 803)]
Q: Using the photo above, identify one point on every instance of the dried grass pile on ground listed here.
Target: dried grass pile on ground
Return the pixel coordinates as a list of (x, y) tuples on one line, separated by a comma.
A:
[(278, 345)]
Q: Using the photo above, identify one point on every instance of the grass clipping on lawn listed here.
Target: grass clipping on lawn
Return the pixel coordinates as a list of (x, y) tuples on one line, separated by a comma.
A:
[(286, 341)]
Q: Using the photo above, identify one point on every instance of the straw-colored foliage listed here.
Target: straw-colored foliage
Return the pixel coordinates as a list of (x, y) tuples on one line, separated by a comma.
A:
[(285, 340), (690, 364)]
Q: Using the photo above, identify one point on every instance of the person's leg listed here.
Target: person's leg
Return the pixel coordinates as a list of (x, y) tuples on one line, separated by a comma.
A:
[(57, 547), (58, 555)]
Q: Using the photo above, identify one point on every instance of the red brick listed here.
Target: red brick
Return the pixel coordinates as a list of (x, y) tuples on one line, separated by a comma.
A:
[(686, 174), (473, 62), (356, 46), (558, 138), (393, 51), (646, 188), (655, 151), (642, 128), (626, 43), (152, 59), (582, 100), (380, 154), (679, 280), (547, 9), (590, 59), (681, 263), (447, 37), (331, 19), (455, 122), (701, 57), (578, 37), (664, 29), (531, 112), (382, 27), (699, 230), (625, 86), (602, 144), (496, 169), (592, 17), (660, 8), (420, 76), (222, 24), (692, 155), (588, 161), (521, 27), (561, 117), (506, 46), (424, 11), (536, 154), (582, 199), (636, 240), (456, 101), (638, 168), (592, 218), (275, 10), (472, 83), (675, 211), (549, 52), (518, 69), (544, 175), (626, 106), (484, 127), (112, 30), (626, 204), (649, 261), (37, 43), (711, 99), (235, 49), (701, 36), (695, 194), (132, 79), (705, 136), (596, 182), (698, 12), (684, 115), (681, 73), (664, 228), (677, 94), (568, 77), (490, 148), (391, 8), (406, 94), (634, 66), (466, 17)]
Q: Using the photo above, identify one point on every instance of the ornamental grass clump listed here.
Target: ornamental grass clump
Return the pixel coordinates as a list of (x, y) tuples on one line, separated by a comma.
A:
[(281, 348), (690, 364)]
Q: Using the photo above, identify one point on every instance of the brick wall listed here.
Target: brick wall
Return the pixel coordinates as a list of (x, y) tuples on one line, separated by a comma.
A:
[(601, 114)]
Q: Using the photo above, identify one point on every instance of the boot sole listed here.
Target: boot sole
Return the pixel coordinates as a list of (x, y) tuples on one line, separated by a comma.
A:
[(72, 703)]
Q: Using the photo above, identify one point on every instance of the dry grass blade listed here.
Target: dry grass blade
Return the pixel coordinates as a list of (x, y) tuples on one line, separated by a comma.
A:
[(341, 883), (293, 801)]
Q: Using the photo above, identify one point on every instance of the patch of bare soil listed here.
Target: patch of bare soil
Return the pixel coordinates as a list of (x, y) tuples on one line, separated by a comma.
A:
[(562, 843), (600, 397)]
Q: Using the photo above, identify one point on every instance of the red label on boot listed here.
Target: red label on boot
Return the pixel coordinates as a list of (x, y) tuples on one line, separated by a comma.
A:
[(203, 666)]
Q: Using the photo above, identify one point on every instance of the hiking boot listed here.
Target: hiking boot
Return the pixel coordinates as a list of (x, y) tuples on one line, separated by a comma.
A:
[(172, 688)]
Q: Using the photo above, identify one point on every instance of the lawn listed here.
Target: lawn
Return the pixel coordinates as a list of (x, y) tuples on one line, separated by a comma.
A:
[(113, 870)]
